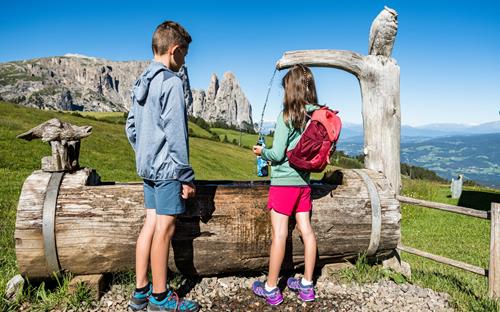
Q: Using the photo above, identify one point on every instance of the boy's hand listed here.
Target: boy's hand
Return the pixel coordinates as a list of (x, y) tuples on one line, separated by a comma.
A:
[(257, 150), (188, 190)]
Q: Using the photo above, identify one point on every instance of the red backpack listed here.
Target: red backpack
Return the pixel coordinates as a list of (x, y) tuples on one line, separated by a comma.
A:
[(317, 142)]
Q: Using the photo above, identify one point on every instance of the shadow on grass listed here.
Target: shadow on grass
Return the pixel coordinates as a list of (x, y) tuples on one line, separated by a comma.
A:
[(478, 200), (478, 303)]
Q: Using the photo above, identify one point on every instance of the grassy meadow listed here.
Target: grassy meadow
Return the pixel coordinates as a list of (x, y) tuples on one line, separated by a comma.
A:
[(107, 150), (247, 140), (450, 235)]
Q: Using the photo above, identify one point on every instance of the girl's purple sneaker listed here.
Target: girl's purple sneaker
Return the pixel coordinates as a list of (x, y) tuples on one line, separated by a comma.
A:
[(273, 297), (306, 293)]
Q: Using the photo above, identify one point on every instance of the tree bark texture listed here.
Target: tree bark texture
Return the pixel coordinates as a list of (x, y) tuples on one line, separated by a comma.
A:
[(226, 228)]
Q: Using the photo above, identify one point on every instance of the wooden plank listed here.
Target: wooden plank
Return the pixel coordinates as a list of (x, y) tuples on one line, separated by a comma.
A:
[(494, 268), (349, 61), (444, 260), (445, 207)]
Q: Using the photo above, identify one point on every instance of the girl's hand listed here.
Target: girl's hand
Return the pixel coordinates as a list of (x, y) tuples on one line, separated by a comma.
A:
[(257, 150)]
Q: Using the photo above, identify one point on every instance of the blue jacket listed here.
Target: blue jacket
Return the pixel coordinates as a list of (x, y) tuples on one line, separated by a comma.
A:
[(157, 126)]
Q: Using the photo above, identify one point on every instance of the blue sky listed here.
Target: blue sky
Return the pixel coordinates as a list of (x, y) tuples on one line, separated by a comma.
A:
[(447, 50)]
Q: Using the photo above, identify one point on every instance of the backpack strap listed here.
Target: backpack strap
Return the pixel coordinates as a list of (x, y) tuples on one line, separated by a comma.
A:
[(329, 119)]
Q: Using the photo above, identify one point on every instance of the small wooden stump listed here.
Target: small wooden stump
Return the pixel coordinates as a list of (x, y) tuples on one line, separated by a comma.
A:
[(95, 283), (332, 268), (397, 265)]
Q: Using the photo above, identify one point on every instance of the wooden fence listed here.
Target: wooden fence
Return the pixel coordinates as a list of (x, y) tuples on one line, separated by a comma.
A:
[(493, 272)]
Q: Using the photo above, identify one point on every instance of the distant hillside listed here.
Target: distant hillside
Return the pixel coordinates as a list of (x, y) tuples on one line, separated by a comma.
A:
[(352, 133), (475, 156), (489, 127), (409, 133)]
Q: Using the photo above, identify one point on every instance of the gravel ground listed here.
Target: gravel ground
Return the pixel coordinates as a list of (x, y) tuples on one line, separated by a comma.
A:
[(235, 294)]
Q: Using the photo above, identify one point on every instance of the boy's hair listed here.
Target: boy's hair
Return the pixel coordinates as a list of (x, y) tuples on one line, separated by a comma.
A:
[(167, 34), (300, 90)]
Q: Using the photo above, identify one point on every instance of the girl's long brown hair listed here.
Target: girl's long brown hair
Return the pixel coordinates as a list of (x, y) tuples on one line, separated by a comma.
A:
[(300, 90)]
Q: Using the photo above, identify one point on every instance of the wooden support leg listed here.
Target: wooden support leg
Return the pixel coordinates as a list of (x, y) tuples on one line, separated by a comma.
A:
[(494, 269), (93, 282)]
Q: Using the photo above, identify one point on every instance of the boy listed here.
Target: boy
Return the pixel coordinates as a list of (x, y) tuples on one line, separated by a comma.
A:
[(157, 130)]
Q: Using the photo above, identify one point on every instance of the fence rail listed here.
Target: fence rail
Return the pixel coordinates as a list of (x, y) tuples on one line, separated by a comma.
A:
[(441, 259), (450, 208), (493, 272)]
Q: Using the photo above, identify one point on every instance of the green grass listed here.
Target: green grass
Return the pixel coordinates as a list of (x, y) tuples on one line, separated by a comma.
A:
[(364, 272), (110, 117), (450, 235), (247, 140), (197, 131), (120, 118)]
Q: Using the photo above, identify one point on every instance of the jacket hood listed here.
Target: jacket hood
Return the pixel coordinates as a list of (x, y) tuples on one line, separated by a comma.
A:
[(141, 88)]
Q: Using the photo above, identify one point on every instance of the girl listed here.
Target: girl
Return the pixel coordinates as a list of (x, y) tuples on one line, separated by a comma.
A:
[(290, 192)]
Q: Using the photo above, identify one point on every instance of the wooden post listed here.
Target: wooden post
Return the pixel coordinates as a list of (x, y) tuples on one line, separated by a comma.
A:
[(456, 186), (494, 269), (378, 75)]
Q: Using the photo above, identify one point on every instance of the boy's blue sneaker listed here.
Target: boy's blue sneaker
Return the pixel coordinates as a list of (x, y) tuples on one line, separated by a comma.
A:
[(139, 300), (274, 297), (172, 303)]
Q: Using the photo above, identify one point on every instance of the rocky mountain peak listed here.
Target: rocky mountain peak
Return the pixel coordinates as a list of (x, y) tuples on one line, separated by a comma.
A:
[(79, 82), (223, 102)]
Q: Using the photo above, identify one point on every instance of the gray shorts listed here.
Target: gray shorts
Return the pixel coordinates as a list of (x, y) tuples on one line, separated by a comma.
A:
[(164, 196)]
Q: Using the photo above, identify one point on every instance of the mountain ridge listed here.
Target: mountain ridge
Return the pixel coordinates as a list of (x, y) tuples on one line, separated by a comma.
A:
[(85, 83)]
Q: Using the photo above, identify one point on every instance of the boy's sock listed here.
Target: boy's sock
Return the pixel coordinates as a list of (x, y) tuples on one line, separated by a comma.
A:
[(144, 289), (161, 296), (269, 288), (305, 282)]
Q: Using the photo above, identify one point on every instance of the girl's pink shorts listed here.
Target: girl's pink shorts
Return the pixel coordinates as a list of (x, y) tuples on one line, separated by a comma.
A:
[(289, 200)]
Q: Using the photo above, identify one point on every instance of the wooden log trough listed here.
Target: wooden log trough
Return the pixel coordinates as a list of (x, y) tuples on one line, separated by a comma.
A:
[(69, 221)]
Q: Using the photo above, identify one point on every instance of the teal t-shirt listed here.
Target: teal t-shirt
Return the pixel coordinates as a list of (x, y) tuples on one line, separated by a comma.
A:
[(285, 138)]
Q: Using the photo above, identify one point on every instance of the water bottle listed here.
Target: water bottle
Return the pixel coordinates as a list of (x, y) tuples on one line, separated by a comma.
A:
[(262, 166)]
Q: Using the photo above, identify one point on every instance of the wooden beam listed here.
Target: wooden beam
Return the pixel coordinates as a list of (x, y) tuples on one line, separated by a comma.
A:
[(444, 260), (494, 269), (451, 208), (349, 61)]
